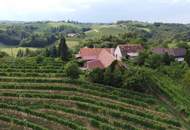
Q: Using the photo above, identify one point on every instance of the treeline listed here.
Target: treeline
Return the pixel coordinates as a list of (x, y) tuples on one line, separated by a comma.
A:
[(39, 34), (157, 34), (62, 51)]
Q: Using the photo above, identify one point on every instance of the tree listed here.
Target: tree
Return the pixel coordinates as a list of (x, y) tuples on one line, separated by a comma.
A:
[(138, 79), (140, 60), (117, 78), (72, 70), (167, 59), (39, 59), (27, 52), (20, 53), (47, 52), (96, 75), (63, 49), (3, 54), (187, 57), (108, 76), (154, 61), (186, 78), (53, 51)]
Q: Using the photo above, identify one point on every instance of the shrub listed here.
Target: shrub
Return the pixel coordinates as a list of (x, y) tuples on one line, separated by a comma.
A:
[(96, 76), (72, 70), (138, 79)]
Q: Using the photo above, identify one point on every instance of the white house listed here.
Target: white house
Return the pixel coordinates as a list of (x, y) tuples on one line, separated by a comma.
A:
[(131, 50)]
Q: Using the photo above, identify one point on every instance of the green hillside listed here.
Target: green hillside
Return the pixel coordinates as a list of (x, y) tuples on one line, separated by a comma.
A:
[(37, 34), (45, 33), (38, 96)]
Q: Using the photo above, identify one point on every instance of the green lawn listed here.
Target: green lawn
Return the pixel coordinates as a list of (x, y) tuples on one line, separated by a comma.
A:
[(72, 43)]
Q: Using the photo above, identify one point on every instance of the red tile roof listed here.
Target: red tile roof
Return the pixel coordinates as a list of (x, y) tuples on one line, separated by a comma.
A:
[(130, 48), (176, 52), (97, 57), (93, 53), (94, 64), (106, 58)]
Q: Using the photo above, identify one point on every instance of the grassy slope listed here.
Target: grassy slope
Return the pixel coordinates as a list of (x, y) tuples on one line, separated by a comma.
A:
[(175, 97), (100, 30), (12, 51)]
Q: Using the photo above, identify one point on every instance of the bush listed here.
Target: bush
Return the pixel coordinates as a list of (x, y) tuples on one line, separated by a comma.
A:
[(186, 78), (3, 54), (138, 79), (109, 76), (96, 76), (72, 70)]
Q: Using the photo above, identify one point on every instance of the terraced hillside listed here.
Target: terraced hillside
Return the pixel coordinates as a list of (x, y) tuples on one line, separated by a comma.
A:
[(38, 96)]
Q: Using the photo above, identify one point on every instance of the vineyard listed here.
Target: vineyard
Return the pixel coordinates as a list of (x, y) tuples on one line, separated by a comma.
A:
[(38, 96)]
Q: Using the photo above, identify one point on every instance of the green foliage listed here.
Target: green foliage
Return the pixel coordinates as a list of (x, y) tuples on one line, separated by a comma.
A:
[(96, 76), (28, 53), (72, 70), (167, 59), (154, 61), (140, 60), (186, 78), (63, 50), (53, 51), (187, 57), (37, 34), (175, 71), (110, 76), (20, 53), (35, 88), (3, 54), (138, 79)]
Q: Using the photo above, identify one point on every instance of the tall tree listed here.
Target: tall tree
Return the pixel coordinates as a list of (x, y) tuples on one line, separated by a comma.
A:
[(53, 51), (63, 49), (187, 57)]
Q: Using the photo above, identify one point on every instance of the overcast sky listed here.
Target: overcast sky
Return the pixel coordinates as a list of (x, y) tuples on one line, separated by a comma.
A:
[(96, 10)]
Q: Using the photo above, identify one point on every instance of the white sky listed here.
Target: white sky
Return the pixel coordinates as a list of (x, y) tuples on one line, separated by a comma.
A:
[(96, 10)]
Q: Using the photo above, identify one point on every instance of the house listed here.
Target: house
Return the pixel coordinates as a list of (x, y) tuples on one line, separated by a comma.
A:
[(72, 34), (97, 57), (131, 50), (177, 53)]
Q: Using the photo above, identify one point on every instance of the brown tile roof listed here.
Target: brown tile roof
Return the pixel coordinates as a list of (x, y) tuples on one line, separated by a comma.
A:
[(176, 52), (97, 57), (106, 58), (93, 53), (130, 48), (94, 64)]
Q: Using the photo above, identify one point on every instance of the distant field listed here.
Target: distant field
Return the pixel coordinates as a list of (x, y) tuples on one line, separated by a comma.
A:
[(72, 43), (100, 30), (114, 29), (12, 51)]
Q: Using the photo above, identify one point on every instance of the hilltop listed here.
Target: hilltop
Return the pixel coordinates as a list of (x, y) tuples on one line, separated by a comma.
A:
[(22, 33)]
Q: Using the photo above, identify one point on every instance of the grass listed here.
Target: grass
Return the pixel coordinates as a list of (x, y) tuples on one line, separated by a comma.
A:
[(12, 51), (72, 43), (100, 30)]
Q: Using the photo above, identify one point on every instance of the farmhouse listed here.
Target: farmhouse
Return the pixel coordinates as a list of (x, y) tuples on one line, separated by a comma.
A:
[(131, 50), (97, 57), (72, 34), (177, 53)]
